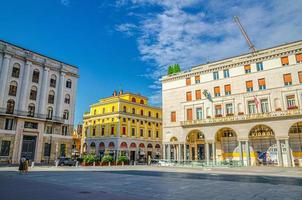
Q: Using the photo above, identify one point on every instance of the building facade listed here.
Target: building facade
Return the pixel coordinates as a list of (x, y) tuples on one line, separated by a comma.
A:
[(37, 103), (123, 124), (245, 108)]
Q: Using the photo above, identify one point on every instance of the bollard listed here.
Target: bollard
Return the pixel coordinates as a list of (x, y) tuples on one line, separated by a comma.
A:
[(94, 164), (77, 164), (56, 163), (109, 164), (32, 164)]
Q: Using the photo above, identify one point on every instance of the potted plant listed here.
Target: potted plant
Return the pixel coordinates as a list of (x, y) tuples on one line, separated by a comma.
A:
[(278, 109), (292, 107), (90, 159), (230, 114), (122, 159), (240, 113), (218, 115), (107, 159)]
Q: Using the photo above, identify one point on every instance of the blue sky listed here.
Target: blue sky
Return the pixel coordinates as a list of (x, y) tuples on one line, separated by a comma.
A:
[(128, 44)]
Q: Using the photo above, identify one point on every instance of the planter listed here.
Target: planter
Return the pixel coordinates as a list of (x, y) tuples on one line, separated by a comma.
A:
[(278, 109), (230, 114), (240, 113), (218, 116), (292, 108), (208, 117)]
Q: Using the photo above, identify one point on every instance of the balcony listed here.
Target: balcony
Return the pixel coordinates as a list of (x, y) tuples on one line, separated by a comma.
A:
[(243, 117)]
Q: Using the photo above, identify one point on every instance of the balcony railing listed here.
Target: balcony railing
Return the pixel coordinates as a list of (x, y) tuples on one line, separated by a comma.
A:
[(243, 117), (4, 111)]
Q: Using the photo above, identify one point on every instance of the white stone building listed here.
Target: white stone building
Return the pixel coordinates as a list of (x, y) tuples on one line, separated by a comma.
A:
[(245, 108), (37, 104)]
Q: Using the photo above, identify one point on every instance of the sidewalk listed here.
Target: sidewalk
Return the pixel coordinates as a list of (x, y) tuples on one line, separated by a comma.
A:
[(256, 171)]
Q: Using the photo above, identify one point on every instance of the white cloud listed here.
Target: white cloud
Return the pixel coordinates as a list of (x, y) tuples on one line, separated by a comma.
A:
[(207, 33), (127, 28)]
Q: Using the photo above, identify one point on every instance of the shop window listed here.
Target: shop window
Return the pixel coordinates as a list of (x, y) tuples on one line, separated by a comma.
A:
[(5, 147)]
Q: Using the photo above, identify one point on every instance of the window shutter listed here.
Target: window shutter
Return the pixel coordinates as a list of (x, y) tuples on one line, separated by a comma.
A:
[(261, 82), (217, 107), (249, 84), (287, 78), (290, 97), (299, 57), (247, 67), (198, 94), (284, 60), (300, 77), (189, 96), (197, 78), (188, 81), (227, 88), (217, 90), (189, 114)]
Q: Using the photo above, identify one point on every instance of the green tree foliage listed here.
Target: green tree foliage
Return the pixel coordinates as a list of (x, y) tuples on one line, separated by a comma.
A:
[(90, 158), (107, 159), (172, 69), (122, 159)]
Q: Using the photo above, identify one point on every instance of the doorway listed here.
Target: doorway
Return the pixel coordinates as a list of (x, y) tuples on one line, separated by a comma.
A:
[(29, 147)]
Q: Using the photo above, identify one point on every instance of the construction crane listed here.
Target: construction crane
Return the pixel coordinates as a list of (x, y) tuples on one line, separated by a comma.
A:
[(252, 47)]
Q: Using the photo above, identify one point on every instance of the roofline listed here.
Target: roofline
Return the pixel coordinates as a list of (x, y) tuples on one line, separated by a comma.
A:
[(25, 49)]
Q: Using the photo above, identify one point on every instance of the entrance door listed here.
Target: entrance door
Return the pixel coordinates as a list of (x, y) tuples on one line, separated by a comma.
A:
[(200, 151), (28, 147)]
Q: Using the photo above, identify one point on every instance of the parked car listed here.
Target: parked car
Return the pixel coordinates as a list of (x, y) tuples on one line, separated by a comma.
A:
[(67, 162)]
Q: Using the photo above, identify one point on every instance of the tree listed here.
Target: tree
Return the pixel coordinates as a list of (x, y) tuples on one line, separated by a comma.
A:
[(172, 69), (176, 68)]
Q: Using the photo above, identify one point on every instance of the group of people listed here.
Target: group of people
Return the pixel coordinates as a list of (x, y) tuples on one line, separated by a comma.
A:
[(23, 166)]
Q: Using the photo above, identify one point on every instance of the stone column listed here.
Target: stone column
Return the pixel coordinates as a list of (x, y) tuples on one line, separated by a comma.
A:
[(24, 86), (279, 151), (169, 152), (240, 152), (59, 96), (3, 78), (196, 152), (289, 158), (43, 92), (207, 153), (247, 151), (179, 153), (185, 152), (214, 152), (164, 151)]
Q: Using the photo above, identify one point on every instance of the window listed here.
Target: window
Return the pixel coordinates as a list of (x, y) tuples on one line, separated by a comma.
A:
[(68, 83), (133, 131), (261, 84), (133, 110), (142, 132), (149, 114), (198, 113), (142, 101), (51, 97), (47, 149), (5, 147), (112, 130), (64, 130), (112, 109), (124, 109), (103, 131), (284, 61), (16, 70), (259, 66), (198, 94), (31, 110), (173, 116), (124, 119), (66, 115), (215, 75), (142, 122), (300, 76), (36, 75), (226, 73), (9, 123), (157, 115), (93, 132), (197, 79), (10, 107), (287, 79), (48, 129), (249, 86), (142, 112), (67, 99), (227, 89), (63, 150), (157, 134), (299, 58), (247, 69), (217, 91), (149, 133), (124, 130), (104, 110), (133, 100), (13, 88), (188, 81), (31, 125), (291, 102), (218, 111), (49, 113), (189, 114), (229, 108), (251, 107), (264, 105), (53, 81), (33, 93), (189, 96)]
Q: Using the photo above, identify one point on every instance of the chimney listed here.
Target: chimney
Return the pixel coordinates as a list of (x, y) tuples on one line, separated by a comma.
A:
[(114, 93), (121, 92)]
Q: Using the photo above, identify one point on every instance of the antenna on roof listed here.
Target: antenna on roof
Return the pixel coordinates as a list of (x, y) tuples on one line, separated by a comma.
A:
[(252, 47)]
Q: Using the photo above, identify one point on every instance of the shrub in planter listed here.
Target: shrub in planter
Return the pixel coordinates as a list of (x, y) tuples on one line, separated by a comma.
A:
[(241, 113), (107, 159), (122, 159), (90, 158), (278, 109)]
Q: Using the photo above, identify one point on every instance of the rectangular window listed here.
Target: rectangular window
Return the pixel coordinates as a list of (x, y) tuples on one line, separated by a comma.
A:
[(291, 102), (300, 77), (264, 105), (284, 61), (47, 149), (149, 133), (93, 132), (189, 114), (112, 130), (12, 90), (218, 111), (198, 94), (215, 75), (35, 77), (299, 58), (157, 134), (124, 130), (188, 81), (65, 130), (287, 79), (261, 84), (173, 116), (133, 131), (227, 89), (251, 107), (103, 131), (63, 150), (9, 123), (259, 66), (197, 79), (226, 73), (189, 96), (198, 113), (5, 147), (249, 86), (16, 72), (247, 69), (48, 129), (33, 94), (229, 108), (142, 132), (217, 91), (31, 125)]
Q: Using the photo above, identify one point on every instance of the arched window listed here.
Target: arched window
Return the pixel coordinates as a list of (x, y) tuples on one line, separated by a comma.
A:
[(142, 112), (33, 93), (68, 83), (67, 99), (10, 107), (124, 109), (157, 115), (133, 110), (53, 80), (112, 109), (49, 113), (16, 70), (66, 114), (36, 75), (13, 88), (51, 97), (133, 100), (142, 101), (149, 113), (31, 110)]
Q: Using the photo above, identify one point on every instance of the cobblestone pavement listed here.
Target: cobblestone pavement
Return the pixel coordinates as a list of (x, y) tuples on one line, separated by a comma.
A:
[(150, 183)]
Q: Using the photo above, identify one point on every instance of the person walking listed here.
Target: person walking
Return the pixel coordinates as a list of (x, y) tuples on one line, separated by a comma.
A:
[(26, 163), (21, 165)]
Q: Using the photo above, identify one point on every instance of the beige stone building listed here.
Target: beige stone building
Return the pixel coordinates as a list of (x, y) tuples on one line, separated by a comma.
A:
[(246, 108), (37, 103)]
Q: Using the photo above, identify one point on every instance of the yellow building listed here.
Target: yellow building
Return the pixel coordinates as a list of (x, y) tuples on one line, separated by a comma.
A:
[(123, 124)]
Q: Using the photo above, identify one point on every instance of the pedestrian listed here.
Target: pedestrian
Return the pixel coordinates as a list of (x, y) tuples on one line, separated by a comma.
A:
[(25, 165), (21, 165)]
